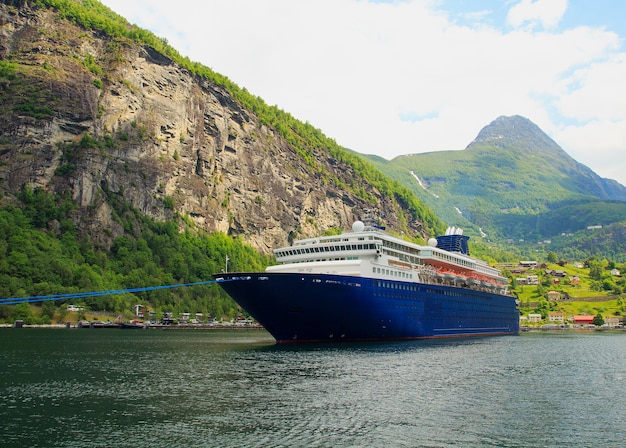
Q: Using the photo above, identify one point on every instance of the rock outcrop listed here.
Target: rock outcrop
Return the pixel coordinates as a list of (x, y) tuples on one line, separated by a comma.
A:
[(86, 114)]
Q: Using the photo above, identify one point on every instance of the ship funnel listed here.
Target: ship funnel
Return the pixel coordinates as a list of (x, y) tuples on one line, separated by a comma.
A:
[(454, 241)]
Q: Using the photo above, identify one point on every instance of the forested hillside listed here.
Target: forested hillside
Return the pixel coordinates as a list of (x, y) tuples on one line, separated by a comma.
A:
[(125, 165), (319, 153), (41, 254)]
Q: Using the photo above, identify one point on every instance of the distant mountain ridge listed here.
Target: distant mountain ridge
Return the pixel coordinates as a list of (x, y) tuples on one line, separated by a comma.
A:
[(511, 182), (516, 131), (520, 133)]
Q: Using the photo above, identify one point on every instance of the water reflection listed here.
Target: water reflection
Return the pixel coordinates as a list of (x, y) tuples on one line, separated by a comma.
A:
[(237, 388)]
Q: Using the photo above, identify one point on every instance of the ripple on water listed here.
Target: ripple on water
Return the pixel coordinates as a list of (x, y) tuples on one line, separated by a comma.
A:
[(205, 389)]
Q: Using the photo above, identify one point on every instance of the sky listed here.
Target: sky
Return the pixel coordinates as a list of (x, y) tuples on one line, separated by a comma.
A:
[(394, 77)]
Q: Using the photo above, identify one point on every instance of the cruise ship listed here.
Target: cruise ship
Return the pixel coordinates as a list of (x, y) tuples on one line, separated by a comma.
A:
[(367, 284)]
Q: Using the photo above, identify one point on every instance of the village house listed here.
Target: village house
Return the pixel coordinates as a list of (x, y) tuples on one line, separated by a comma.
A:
[(615, 272), (528, 264), (528, 280), (614, 322), (556, 317), (534, 318), (583, 320), (553, 296)]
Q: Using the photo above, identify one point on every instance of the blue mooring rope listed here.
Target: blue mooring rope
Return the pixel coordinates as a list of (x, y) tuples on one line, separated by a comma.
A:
[(81, 295)]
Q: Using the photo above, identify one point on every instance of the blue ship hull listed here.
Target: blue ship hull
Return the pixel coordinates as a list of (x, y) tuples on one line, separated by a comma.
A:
[(321, 307)]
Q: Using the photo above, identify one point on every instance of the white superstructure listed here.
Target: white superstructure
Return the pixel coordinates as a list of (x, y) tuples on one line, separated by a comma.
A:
[(370, 252)]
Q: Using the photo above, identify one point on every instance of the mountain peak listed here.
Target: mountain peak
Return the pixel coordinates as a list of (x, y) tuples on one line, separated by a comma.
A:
[(515, 132), (518, 137)]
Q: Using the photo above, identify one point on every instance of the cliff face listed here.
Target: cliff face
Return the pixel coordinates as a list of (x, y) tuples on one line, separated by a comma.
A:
[(92, 116)]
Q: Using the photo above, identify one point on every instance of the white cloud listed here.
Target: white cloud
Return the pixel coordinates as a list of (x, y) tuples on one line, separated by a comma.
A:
[(595, 92), (599, 144), (400, 78), (528, 12)]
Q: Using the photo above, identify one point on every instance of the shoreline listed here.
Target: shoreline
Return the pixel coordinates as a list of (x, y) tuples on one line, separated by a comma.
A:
[(75, 325), (577, 329)]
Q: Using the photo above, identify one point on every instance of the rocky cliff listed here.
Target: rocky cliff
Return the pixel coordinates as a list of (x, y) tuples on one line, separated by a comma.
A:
[(96, 117)]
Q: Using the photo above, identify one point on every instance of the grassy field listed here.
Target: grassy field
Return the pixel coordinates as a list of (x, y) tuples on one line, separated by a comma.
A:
[(608, 308), (584, 297)]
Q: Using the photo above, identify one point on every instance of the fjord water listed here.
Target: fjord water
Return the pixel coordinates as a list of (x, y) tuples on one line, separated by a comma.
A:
[(147, 388)]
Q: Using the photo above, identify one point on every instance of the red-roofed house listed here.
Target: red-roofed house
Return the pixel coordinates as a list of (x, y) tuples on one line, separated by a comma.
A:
[(584, 319)]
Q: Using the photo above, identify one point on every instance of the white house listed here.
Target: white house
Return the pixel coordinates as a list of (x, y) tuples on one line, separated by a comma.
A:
[(556, 317)]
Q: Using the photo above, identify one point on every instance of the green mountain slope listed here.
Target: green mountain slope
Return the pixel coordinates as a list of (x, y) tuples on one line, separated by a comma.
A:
[(124, 164), (28, 97), (511, 182)]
